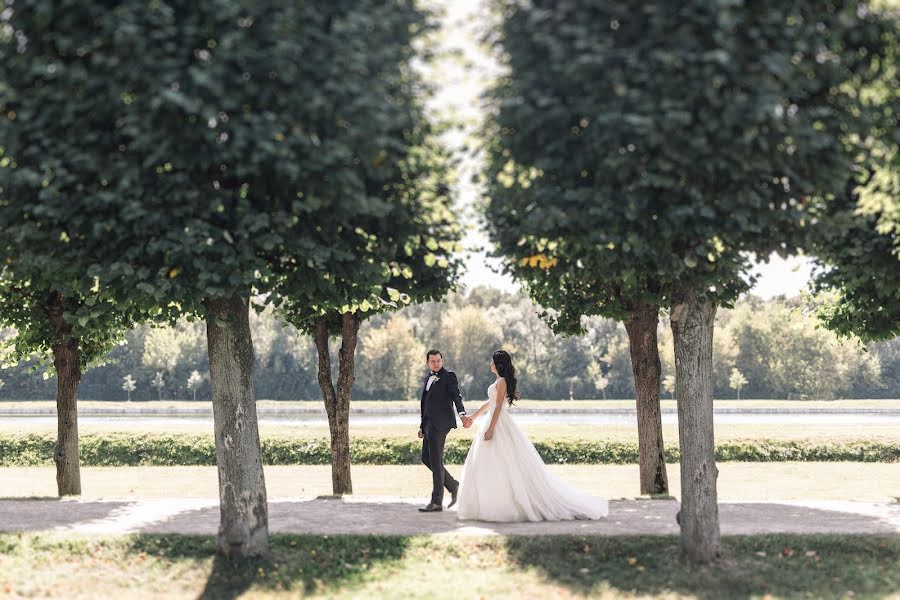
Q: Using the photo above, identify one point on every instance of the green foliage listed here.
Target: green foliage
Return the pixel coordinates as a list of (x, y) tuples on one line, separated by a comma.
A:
[(189, 151), (184, 449), (639, 153), (407, 249), (858, 259)]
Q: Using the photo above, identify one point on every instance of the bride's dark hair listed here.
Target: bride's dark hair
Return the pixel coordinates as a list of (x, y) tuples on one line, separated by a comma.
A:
[(507, 371)]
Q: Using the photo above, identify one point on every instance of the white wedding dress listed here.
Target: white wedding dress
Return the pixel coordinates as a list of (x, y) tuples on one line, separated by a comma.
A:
[(505, 479)]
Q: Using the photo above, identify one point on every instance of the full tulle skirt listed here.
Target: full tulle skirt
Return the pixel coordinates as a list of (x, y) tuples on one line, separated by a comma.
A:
[(504, 479)]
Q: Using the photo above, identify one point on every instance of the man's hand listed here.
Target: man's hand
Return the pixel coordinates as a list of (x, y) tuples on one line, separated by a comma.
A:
[(421, 435), (488, 435), (466, 421)]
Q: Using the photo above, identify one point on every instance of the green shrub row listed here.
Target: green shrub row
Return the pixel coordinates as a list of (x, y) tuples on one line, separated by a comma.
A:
[(183, 449)]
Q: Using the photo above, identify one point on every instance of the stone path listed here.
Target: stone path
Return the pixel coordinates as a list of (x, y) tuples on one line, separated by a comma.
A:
[(398, 516)]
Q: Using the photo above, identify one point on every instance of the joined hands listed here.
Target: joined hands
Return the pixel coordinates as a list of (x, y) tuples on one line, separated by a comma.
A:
[(466, 421)]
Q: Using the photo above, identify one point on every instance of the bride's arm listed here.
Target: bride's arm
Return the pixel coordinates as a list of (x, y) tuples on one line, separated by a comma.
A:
[(481, 410), (501, 396)]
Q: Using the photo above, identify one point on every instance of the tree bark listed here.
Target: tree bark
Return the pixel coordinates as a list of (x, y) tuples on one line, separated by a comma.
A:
[(645, 364), (67, 362), (337, 401), (692, 327), (243, 525)]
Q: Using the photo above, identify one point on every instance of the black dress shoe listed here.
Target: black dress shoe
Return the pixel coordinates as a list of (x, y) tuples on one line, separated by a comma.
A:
[(453, 498), (432, 507)]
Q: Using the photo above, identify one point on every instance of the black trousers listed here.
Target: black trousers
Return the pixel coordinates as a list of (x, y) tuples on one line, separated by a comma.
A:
[(433, 458)]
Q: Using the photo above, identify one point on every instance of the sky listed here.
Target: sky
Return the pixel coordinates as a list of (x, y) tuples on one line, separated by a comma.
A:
[(460, 77)]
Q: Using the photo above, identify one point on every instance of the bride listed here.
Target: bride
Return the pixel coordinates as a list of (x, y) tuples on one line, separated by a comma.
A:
[(504, 478)]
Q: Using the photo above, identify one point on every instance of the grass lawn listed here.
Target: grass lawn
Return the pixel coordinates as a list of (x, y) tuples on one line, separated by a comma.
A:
[(738, 481), (435, 567)]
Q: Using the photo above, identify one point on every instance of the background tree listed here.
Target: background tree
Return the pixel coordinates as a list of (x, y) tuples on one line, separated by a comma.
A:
[(390, 359), (392, 243), (658, 150), (158, 382), (129, 385), (737, 381), (669, 385), (55, 319), (194, 382), (600, 381)]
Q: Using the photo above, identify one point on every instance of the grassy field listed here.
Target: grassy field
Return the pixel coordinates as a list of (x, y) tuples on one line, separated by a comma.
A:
[(876, 482), (528, 404), (783, 566)]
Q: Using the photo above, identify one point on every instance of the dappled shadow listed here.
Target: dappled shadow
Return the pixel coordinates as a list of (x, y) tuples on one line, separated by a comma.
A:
[(307, 563), (784, 552), (751, 566), (38, 514)]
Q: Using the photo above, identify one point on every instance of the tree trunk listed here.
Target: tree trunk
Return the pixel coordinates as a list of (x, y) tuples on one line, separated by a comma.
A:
[(645, 365), (67, 362), (692, 327), (244, 523), (337, 402)]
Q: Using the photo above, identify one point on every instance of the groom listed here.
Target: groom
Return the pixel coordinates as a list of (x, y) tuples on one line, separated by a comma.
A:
[(440, 393)]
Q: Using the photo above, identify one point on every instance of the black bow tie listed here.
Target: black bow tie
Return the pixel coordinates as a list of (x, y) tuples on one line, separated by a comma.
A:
[(433, 373)]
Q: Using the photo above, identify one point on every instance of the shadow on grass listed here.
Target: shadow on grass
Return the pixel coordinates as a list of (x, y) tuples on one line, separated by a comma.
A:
[(819, 566), (295, 563)]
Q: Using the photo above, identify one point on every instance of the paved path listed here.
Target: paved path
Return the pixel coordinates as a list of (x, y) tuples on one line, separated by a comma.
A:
[(398, 516)]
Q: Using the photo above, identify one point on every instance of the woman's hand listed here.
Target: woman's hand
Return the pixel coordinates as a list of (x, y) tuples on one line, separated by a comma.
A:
[(488, 434)]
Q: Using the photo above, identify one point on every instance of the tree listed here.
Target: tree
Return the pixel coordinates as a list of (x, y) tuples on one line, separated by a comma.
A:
[(858, 271), (600, 381), (391, 358), (55, 319), (465, 382), (469, 338), (393, 244), (669, 385), (159, 383), (737, 381), (164, 347), (129, 385), (645, 158), (856, 236), (191, 170), (194, 382), (557, 274)]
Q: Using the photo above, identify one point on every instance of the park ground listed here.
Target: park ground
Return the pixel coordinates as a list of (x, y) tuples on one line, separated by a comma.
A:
[(791, 529)]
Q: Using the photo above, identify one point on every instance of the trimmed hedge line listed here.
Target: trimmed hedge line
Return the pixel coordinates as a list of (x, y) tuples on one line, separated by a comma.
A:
[(185, 449)]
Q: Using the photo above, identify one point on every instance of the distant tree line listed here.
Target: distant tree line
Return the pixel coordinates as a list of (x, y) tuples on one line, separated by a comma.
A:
[(777, 345)]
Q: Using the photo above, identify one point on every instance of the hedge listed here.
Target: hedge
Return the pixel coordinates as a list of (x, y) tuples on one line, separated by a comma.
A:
[(187, 449)]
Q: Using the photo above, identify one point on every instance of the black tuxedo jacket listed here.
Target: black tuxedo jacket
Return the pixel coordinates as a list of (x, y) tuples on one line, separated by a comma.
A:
[(438, 402)]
